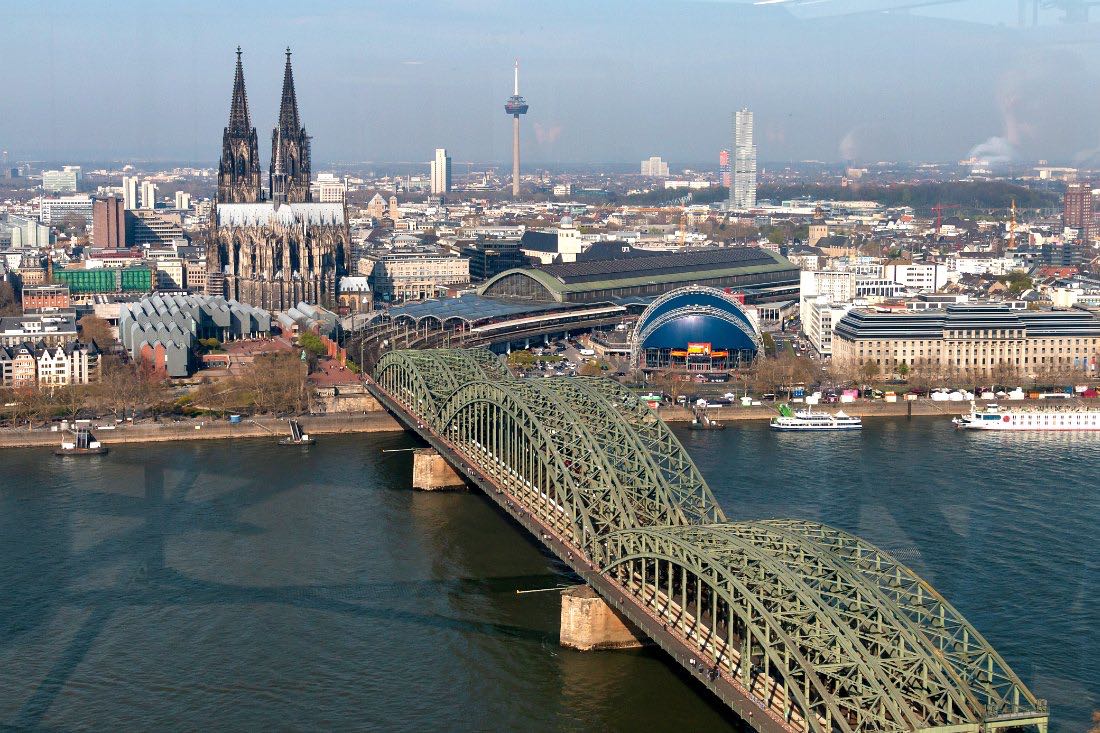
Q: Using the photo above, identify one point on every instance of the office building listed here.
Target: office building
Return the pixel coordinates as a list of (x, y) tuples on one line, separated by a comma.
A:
[(130, 192), (145, 228), (655, 167), (329, 189), (743, 190), (109, 223), (66, 180), (725, 171), (441, 172), (148, 195), (490, 256), (183, 201), (74, 210), (1077, 211), (977, 340), (402, 276)]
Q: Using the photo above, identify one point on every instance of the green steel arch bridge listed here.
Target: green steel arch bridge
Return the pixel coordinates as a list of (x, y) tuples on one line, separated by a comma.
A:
[(796, 626)]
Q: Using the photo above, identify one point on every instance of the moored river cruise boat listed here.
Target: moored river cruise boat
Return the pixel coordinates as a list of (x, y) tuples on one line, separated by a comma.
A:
[(1063, 417)]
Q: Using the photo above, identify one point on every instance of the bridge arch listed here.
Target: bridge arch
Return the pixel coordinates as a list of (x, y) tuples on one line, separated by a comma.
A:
[(822, 629)]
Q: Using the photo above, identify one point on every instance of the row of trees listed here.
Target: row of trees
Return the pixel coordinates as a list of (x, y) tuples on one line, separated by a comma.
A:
[(274, 383), (122, 389), (780, 373)]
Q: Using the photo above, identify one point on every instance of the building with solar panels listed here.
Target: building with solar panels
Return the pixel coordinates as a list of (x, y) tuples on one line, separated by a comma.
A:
[(695, 329), (762, 275)]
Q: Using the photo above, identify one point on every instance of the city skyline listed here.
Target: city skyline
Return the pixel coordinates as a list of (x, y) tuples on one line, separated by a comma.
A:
[(892, 86)]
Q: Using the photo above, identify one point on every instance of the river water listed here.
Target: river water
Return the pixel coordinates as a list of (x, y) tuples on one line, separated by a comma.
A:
[(214, 585)]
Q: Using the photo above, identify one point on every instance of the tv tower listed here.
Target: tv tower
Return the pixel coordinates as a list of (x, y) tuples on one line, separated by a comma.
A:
[(515, 106)]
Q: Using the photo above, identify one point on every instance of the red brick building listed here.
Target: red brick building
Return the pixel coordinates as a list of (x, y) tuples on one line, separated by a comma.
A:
[(46, 298), (1077, 209)]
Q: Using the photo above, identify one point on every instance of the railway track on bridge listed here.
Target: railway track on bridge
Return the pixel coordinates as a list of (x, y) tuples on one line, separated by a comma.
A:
[(794, 625)]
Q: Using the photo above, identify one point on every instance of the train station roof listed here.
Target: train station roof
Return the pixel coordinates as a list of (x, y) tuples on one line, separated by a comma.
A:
[(468, 308)]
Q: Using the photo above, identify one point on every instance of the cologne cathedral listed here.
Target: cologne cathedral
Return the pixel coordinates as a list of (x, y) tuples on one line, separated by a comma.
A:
[(273, 248)]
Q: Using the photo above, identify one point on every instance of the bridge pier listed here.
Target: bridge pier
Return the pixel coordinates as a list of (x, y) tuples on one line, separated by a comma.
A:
[(431, 472), (588, 623)]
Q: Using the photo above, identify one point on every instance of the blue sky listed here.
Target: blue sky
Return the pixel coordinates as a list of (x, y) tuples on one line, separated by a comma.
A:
[(611, 81)]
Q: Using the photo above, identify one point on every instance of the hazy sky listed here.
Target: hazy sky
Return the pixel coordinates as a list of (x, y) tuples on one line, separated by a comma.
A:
[(608, 81)]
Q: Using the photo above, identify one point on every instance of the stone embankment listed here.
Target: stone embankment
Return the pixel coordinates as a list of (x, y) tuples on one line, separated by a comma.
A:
[(169, 430)]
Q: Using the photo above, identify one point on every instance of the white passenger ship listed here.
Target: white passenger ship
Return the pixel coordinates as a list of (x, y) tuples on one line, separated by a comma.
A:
[(807, 419), (995, 417)]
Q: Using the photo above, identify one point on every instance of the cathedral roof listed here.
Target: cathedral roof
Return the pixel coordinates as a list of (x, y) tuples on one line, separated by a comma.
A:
[(250, 215)]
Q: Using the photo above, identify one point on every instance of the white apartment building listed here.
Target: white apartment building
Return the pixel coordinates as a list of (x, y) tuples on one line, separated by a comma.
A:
[(834, 286), (822, 316), (655, 167), (148, 195), (130, 192)]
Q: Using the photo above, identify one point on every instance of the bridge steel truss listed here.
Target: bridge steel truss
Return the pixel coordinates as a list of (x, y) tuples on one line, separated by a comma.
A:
[(815, 628)]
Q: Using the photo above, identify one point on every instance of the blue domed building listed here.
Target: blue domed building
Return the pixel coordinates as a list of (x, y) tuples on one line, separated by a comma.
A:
[(695, 329)]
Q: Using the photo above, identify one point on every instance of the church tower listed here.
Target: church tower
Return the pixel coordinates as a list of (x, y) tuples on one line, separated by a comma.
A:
[(290, 146), (239, 171)]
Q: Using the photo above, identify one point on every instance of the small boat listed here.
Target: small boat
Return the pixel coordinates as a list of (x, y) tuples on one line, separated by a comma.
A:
[(297, 437), (80, 442), (702, 421), (808, 420)]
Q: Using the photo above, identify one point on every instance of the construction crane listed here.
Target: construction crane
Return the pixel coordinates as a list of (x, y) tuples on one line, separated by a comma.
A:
[(938, 209)]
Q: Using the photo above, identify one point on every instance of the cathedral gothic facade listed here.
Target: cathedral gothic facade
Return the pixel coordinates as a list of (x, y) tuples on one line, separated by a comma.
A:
[(274, 248)]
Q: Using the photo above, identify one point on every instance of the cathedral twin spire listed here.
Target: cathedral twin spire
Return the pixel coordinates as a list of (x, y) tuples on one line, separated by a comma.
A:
[(239, 171)]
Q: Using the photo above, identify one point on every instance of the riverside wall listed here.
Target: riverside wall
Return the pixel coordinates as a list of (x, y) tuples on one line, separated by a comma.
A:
[(167, 430)]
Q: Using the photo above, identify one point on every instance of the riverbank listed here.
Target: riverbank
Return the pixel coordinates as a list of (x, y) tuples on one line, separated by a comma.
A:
[(863, 408), (168, 431)]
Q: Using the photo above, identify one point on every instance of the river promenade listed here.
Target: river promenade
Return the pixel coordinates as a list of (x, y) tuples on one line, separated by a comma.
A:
[(380, 421), (184, 430)]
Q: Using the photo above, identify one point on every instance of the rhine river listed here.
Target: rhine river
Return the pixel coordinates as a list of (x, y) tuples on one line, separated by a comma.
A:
[(240, 585)]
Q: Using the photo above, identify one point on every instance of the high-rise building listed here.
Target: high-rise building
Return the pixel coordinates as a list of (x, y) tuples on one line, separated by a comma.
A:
[(130, 192), (239, 169), (108, 223), (441, 172), (724, 171), (515, 106), (743, 188), (290, 150), (183, 201), (66, 180), (655, 167), (1077, 210), (148, 195)]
